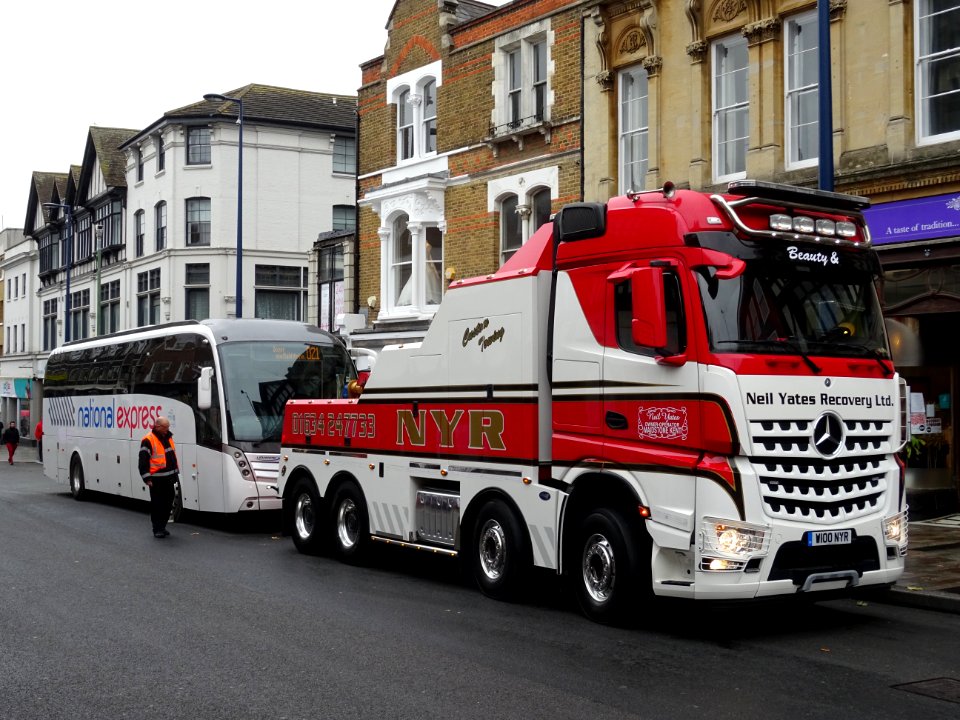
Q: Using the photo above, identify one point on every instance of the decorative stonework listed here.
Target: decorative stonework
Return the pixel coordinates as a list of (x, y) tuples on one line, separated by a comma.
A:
[(632, 42), (727, 10), (762, 31), (604, 77), (697, 51), (838, 9), (652, 64), (692, 9)]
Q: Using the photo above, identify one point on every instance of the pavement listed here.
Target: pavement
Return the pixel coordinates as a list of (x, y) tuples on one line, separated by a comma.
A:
[(932, 576)]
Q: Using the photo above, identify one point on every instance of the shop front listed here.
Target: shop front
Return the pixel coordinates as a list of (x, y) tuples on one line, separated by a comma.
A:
[(918, 241), (15, 395)]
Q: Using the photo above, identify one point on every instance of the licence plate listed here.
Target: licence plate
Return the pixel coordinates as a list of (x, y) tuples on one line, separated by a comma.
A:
[(829, 537)]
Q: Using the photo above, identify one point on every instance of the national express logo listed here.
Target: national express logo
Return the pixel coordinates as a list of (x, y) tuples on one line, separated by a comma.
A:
[(99, 414)]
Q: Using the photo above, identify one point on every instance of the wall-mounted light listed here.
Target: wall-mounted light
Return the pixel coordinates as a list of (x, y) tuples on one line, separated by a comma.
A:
[(372, 302), (451, 273)]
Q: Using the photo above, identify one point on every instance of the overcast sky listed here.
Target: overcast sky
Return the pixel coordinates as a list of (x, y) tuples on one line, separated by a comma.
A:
[(67, 65)]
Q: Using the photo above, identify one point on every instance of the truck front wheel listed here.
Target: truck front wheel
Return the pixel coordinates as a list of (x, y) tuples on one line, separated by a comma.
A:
[(500, 555), (305, 518), (608, 576)]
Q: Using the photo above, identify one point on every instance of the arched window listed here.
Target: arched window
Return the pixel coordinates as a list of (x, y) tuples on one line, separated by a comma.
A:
[(511, 233), (401, 267), (540, 203), (160, 225), (404, 126), (433, 276), (429, 114)]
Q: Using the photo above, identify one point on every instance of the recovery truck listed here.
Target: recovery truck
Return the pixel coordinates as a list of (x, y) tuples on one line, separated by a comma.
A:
[(673, 393)]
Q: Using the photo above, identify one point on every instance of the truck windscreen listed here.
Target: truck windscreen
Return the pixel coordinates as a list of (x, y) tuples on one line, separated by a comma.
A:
[(773, 308)]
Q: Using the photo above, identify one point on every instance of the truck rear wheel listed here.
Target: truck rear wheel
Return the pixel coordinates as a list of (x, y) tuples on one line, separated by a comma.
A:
[(350, 524), (306, 518), (500, 552), (608, 575)]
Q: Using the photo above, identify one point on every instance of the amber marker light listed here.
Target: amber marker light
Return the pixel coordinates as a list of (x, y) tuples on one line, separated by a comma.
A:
[(527, 481), (326, 462), (644, 511)]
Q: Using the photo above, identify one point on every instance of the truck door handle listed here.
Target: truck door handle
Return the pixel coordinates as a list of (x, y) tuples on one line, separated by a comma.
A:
[(616, 421)]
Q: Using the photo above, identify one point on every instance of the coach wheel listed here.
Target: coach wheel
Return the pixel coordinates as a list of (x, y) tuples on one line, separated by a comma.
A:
[(177, 509), (351, 526), (609, 576), (306, 518), (500, 552), (77, 486)]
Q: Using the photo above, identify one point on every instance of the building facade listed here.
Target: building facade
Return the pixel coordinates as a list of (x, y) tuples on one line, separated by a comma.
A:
[(469, 139), (474, 113), (19, 312), (703, 92), (146, 229)]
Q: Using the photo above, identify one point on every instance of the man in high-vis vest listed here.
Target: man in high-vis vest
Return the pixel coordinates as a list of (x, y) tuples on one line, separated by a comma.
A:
[(159, 470)]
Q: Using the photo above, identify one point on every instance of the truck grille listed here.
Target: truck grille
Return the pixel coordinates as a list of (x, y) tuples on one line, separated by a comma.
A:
[(797, 483)]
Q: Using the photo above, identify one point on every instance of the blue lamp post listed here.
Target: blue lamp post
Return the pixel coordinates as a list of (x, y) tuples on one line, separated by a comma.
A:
[(224, 98), (68, 213)]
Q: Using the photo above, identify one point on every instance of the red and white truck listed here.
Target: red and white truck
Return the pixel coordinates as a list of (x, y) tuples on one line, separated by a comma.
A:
[(675, 392)]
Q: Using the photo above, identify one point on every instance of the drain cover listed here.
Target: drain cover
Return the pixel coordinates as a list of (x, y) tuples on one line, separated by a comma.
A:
[(941, 688)]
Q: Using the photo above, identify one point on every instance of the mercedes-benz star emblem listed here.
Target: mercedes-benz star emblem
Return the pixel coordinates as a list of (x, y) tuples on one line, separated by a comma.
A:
[(828, 434)]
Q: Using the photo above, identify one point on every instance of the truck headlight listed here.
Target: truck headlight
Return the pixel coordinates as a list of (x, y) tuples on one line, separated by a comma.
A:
[(895, 530), (733, 540)]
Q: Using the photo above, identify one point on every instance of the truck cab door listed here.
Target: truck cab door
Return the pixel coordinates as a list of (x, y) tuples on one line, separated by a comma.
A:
[(649, 383)]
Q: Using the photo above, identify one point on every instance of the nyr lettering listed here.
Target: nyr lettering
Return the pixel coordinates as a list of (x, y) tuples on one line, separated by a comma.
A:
[(486, 428)]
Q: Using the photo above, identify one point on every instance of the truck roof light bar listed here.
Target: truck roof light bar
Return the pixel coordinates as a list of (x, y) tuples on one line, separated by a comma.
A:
[(794, 198)]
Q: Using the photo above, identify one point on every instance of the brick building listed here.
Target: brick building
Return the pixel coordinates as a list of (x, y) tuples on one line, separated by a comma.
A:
[(700, 92), (469, 137)]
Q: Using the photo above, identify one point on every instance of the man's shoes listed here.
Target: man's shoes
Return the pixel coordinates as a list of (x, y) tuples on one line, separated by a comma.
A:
[(161, 533)]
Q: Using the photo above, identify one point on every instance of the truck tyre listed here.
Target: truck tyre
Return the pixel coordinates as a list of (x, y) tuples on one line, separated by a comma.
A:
[(608, 567), (349, 524), (499, 552), (306, 518), (77, 486), (176, 509)]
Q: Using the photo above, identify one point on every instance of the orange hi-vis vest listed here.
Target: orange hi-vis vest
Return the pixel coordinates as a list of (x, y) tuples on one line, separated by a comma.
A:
[(158, 456)]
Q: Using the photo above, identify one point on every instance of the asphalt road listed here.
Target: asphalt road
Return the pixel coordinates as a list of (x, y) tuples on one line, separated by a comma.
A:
[(98, 619)]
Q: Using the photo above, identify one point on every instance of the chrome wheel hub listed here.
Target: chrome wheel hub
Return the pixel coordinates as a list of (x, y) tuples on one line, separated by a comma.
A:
[(492, 547), (599, 568), (303, 517), (348, 524)]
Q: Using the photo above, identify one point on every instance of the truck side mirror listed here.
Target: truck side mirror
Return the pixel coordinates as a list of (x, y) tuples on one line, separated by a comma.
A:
[(205, 388), (649, 326)]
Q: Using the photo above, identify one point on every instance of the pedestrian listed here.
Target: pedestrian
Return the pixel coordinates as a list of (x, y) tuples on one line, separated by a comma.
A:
[(11, 438), (159, 470), (38, 434)]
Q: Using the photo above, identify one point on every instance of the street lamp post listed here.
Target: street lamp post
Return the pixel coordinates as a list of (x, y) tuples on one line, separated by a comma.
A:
[(224, 98), (68, 212)]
